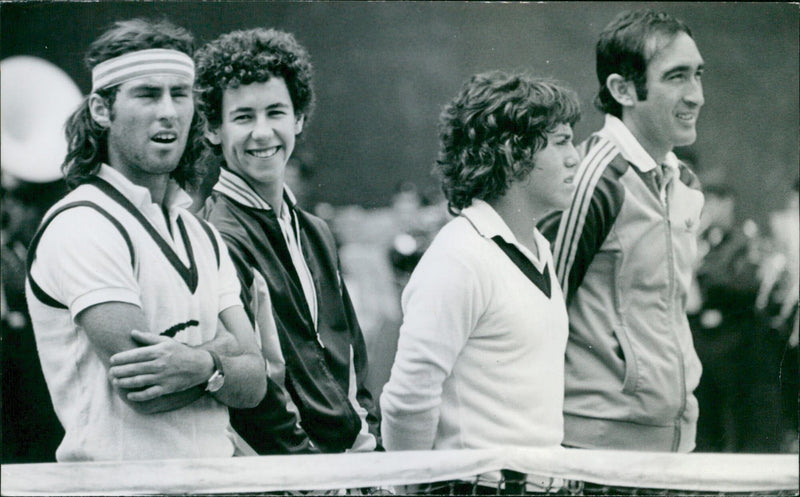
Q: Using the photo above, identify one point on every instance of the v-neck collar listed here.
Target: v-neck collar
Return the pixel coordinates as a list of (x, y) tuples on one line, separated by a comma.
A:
[(188, 273), (488, 223)]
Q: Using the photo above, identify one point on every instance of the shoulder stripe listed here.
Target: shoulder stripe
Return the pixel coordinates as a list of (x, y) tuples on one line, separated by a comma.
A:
[(35, 288), (572, 224), (587, 168)]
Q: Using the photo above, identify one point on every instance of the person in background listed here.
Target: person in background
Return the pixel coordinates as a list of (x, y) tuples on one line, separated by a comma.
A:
[(31, 431), (412, 238), (134, 301), (777, 303), (479, 362), (727, 329), (625, 248), (256, 96)]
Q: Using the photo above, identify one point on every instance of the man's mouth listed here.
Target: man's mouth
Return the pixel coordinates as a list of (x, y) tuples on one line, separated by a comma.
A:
[(686, 116), (263, 153), (165, 137)]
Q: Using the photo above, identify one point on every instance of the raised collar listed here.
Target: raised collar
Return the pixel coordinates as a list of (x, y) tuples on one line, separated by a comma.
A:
[(139, 196), (234, 186), (488, 223), (630, 148)]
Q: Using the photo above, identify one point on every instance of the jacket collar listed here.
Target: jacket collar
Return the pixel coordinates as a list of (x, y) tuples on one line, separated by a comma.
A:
[(234, 186), (630, 148)]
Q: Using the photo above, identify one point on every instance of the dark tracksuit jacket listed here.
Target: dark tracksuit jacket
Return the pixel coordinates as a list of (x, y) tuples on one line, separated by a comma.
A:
[(316, 393)]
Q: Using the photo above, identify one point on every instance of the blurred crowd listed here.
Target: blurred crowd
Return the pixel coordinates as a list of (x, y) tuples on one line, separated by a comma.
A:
[(743, 310), (744, 319)]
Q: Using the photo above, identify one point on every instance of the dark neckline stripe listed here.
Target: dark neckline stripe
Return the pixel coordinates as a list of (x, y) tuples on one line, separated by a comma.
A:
[(188, 274), (540, 279)]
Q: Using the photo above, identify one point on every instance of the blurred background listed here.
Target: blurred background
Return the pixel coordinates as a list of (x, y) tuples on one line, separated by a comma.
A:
[(383, 71)]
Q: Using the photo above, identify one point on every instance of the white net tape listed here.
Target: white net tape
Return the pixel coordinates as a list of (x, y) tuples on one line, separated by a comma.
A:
[(707, 473)]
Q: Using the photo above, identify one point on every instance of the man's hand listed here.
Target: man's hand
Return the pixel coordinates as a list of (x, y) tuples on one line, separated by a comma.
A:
[(160, 366)]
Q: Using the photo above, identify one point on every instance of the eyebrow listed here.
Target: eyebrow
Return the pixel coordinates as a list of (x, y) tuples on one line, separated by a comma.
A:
[(683, 68), (245, 108), (145, 87), (151, 87)]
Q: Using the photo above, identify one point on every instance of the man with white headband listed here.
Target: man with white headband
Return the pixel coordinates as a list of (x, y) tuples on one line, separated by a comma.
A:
[(134, 301)]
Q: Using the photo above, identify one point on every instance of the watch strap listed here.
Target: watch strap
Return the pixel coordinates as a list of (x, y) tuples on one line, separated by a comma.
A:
[(219, 372)]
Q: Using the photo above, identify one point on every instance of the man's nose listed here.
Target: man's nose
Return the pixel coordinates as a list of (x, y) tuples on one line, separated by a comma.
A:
[(694, 93), (573, 158), (166, 108), (261, 128)]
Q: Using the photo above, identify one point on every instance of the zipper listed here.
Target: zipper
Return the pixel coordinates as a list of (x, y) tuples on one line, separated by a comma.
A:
[(313, 311), (671, 267)]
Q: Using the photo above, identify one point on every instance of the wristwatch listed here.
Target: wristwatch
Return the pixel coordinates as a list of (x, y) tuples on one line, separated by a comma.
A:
[(217, 378)]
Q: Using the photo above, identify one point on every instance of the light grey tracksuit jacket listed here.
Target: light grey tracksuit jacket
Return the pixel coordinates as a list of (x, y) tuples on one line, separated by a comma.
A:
[(624, 253)]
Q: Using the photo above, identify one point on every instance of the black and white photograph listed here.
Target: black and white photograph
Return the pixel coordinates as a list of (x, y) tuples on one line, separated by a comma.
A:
[(399, 248)]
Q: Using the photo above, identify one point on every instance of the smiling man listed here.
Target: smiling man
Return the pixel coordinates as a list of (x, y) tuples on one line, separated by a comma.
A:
[(256, 95), (134, 301), (625, 248)]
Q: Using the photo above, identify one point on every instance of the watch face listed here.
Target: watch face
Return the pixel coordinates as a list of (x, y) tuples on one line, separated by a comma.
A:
[(215, 382)]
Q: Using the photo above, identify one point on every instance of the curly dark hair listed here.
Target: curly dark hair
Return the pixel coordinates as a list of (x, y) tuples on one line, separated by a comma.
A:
[(490, 131), (252, 56), (87, 141), (626, 46)]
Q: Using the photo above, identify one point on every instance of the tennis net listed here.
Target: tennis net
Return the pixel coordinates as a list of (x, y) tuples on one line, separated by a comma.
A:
[(472, 472)]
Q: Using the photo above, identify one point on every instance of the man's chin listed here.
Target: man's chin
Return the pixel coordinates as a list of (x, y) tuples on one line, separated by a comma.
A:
[(167, 162), (163, 167), (686, 139)]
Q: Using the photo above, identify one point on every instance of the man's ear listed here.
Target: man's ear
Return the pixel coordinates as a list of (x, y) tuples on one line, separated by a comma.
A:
[(623, 90), (99, 110), (298, 124), (212, 135)]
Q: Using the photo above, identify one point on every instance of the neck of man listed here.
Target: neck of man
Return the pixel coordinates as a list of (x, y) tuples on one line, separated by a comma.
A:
[(520, 216), (155, 183), (271, 192), (658, 151)]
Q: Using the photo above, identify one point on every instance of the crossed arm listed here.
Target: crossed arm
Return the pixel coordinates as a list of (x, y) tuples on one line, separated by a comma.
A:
[(156, 373)]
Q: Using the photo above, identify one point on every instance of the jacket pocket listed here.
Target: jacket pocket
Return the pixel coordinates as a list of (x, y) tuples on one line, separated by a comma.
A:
[(630, 379)]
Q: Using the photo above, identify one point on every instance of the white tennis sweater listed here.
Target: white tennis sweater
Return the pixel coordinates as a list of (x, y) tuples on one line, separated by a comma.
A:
[(480, 359)]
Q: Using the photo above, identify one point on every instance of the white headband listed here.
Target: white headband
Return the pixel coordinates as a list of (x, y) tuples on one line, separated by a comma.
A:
[(139, 64)]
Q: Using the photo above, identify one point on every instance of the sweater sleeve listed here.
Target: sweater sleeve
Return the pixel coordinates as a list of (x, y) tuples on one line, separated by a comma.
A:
[(441, 306), (82, 260)]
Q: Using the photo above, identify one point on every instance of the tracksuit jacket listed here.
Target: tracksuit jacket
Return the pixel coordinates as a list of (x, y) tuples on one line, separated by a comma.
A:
[(312, 410), (624, 253)]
